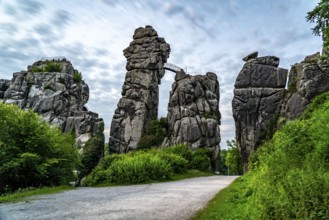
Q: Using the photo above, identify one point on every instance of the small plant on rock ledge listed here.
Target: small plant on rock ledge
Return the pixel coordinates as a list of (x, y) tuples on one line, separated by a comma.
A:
[(52, 66), (77, 76), (37, 69)]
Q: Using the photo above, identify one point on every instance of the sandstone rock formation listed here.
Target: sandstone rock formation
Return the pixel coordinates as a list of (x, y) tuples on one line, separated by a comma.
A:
[(258, 96), (307, 79), (4, 84), (58, 96), (193, 111), (146, 56)]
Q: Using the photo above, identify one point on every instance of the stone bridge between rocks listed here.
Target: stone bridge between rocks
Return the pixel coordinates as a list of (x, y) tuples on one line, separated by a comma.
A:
[(172, 67)]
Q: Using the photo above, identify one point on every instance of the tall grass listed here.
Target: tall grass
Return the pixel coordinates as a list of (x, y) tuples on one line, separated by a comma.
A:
[(288, 176)]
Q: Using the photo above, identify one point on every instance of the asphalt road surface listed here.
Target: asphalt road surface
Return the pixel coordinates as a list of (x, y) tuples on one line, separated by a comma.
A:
[(171, 200)]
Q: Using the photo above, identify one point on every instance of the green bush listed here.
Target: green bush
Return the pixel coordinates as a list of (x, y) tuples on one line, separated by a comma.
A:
[(92, 153), (32, 153), (146, 165), (52, 66), (139, 169), (176, 162), (149, 141), (154, 134), (182, 150), (100, 173), (200, 160), (77, 76), (36, 69)]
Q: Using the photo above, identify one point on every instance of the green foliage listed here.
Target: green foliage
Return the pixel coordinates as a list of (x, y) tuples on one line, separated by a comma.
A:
[(93, 151), (288, 176), (176, 162), (233, 159), (223, 169), (200, 160), (320, 17), (36, 69), (148, 165), (155, 133), (77, 76), (52, 66), (182, 150), (32, 154), (140, 168)]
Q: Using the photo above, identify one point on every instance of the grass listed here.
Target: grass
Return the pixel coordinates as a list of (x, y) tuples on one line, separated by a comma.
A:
[(220, 207), (21, 195)]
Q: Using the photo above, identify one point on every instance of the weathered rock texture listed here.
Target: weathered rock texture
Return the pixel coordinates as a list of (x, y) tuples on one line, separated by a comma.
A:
[(193, 111), (258, 96), (146, 56), (4, 84), (307, 79), (56, 96)]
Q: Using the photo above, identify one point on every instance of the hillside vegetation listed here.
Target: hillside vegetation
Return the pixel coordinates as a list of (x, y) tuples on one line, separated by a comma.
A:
[(288, 176)]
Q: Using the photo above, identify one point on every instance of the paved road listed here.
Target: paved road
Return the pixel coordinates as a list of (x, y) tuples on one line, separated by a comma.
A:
[(171, 200)]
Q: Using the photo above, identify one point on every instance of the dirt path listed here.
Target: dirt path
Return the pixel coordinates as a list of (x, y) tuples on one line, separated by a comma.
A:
[(171, 200)]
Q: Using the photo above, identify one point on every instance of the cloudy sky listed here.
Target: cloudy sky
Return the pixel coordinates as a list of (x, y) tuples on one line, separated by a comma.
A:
[(205, 35)]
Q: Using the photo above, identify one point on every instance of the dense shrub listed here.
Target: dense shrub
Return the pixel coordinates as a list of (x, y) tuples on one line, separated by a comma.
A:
[(93, 151), (200, 160), (139, 169), (32, 153), (154, 134), (182, 150), (146, 165), (100, 173), (176, 162)]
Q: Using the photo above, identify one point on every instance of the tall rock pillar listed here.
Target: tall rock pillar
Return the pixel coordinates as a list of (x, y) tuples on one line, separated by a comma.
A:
[(258, 96), (193, 112), (146, 56)]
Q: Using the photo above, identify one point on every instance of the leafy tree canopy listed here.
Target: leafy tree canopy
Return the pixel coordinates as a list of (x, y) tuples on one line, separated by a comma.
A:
[(320, 16), (32, 153)]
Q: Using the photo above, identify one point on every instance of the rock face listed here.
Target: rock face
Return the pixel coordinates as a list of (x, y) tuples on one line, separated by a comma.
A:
[(146, 56), (307, 79), (193, 111), (58, 96), (4, 84), (258, 96)]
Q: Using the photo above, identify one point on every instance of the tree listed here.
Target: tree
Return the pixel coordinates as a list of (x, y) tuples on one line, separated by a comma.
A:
[(32, 153), (93, 152), (320, 16), (233, 159)]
